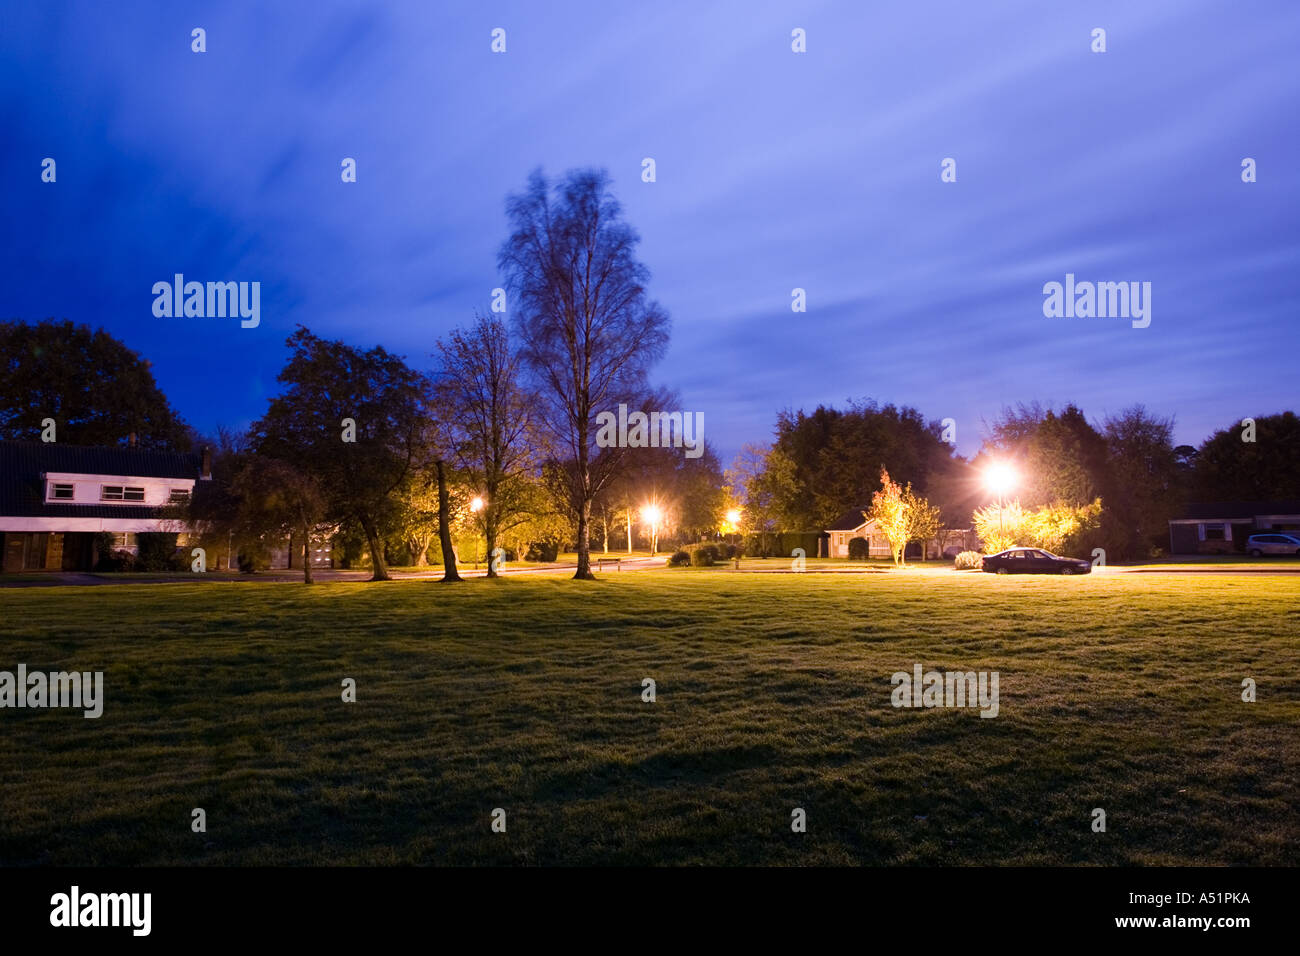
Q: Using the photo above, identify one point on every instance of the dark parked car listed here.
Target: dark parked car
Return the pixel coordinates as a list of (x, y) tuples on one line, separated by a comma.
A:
[(1033, 561)]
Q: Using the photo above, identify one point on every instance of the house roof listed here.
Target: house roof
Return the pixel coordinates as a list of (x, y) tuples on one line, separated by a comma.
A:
[(849, 521), (1229, 510), (22, 493)]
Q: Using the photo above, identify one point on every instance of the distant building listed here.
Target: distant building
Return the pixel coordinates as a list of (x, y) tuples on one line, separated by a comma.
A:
[(854, 524), (57, 500), (1223, 527)]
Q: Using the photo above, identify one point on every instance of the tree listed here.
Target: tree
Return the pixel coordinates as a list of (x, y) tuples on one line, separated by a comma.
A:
[(763, 479), (1049, 527), (1228, 467), (357, 421), (891, 514), (837, 455), (279, 498), (214, 508), (418, 517), (589, 332), (97, 390), (1145, 487), (1000, 526), (449, 572), (925, 520), (491, 428), (542, 522)]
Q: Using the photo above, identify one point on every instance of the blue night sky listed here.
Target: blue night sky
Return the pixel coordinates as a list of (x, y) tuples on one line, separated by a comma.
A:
[(775, 170)]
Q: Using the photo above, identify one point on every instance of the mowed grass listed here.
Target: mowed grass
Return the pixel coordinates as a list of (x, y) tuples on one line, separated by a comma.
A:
[(1116, 691)]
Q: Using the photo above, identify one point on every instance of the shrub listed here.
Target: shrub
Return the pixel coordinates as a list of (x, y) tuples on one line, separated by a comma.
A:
[(703, 557), (120, 561), (546, 551), (858, 549), (679, 559), (968, 560), (726, 550), (157, 552)]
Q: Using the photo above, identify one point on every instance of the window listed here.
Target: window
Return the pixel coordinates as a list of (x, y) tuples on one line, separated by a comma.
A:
[(179, 496), (121, 493), (60, 492), (1214, 532), (124, 539)]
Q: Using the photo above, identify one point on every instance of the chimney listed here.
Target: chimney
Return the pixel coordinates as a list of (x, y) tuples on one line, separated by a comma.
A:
[(205, 468), (130, 440)]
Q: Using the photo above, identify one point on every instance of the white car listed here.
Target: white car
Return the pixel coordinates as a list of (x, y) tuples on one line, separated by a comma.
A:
[(1258, 545)]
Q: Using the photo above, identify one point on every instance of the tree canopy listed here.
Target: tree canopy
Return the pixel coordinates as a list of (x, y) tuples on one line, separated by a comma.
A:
[(98, 391)]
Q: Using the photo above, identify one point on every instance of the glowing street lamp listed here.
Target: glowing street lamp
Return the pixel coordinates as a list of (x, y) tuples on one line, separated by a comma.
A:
[(733, 518), (1001, 478), (475, 507), (652, 514)]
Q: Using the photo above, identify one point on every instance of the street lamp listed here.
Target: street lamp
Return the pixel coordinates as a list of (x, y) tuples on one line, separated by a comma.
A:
[(475, 507), (652, 514), (733, 522), (1001, 478)]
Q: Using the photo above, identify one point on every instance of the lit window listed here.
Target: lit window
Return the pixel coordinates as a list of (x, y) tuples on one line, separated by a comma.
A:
[(179, 496)]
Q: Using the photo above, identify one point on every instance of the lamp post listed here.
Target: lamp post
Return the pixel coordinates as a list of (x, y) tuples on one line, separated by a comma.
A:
[(652, 514), (475, 507), (1001, 478), (733, 521)]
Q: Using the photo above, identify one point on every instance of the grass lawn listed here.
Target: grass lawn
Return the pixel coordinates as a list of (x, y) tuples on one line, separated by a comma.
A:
[(1117, 691)]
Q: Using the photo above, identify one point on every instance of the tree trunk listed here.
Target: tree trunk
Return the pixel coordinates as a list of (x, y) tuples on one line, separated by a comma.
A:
[(420, 549), (306, 555), (584, 543), (490, 538), (629, 529), (376, 552), (449, 572)]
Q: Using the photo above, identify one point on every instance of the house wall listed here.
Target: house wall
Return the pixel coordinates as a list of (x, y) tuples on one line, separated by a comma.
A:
[(87, 488), (1225, 536), (878, 544)]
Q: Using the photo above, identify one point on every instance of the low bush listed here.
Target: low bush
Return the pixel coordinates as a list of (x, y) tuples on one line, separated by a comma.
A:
[(546, 551), (680, 559), (968, 560), (858, 549), (703, 557), (157, 552), (118, 561)]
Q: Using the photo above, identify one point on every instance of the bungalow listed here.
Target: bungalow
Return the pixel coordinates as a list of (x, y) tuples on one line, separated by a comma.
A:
[(1222, 528), (854, 524), (56, 500)]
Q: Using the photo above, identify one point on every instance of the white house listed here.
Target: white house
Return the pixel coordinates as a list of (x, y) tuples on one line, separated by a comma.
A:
[(855, 524), (55, 500)]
